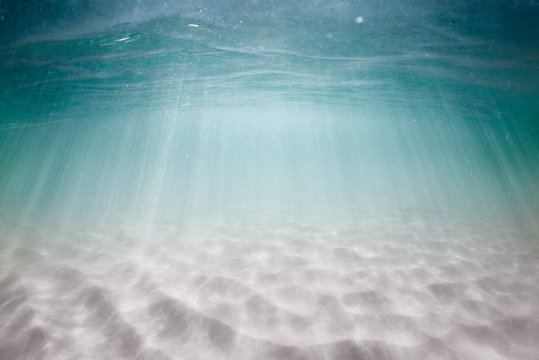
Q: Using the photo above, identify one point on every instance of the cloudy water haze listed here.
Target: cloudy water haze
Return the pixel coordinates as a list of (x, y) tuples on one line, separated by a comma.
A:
[(269, 179)]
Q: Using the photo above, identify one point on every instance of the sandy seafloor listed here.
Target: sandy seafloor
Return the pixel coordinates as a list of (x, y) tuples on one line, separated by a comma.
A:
[(280, 289)]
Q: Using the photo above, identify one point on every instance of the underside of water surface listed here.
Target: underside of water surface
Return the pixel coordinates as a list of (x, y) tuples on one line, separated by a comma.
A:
[(269, 180)]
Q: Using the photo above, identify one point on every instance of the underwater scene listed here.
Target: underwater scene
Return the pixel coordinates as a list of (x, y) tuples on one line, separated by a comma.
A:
[(248, 179)]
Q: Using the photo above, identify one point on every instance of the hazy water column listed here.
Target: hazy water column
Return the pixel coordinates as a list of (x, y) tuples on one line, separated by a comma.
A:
[(202, 108)]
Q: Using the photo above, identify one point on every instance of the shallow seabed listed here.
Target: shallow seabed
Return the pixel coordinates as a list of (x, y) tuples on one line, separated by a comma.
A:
[(397, 288)]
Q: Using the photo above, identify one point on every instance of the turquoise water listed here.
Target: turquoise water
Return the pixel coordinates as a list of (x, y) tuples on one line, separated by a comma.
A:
[(308, 179), (272, 107)]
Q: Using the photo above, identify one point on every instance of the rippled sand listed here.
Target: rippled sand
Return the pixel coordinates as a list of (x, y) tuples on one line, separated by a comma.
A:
[(280, 290)]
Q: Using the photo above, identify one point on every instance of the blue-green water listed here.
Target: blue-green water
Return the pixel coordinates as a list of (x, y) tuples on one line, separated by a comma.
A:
[(271, 106), (142, 114)]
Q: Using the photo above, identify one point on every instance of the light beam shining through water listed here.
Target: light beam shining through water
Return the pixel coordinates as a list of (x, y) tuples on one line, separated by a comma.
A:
[(269, 180)]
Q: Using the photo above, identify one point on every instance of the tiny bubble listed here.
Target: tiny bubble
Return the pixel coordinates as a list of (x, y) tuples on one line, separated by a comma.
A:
[(359, 20)]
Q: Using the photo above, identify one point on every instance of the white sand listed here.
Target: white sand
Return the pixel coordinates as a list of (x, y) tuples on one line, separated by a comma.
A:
[(280, 290)]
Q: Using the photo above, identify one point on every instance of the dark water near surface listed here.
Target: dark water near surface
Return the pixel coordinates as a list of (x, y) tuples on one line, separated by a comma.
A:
[(272, 180)]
